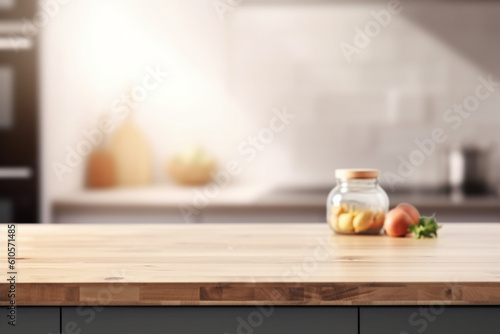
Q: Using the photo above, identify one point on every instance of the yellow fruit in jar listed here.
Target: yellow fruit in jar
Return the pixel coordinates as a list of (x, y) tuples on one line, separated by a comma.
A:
[(362, 221), (345, 207), (356, 212), (345, 222), (335, 211), (378, 221)]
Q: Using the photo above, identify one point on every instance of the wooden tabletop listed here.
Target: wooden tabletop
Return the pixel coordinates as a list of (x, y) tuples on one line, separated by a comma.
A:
[(250, 264)]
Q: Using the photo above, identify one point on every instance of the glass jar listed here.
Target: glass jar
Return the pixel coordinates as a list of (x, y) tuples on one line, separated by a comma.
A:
[(357, 205)]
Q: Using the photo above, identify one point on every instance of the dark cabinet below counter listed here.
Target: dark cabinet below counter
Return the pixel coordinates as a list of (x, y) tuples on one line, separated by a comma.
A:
[(256, 320), (32, 320), (218, 319), (435, 319)]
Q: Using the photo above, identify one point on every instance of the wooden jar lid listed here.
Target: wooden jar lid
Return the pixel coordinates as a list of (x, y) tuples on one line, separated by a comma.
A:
[(357, 173)]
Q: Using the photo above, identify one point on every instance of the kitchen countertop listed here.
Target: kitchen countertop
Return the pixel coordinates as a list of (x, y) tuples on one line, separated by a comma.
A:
[(251, 264), (159, 197), (249, 196)]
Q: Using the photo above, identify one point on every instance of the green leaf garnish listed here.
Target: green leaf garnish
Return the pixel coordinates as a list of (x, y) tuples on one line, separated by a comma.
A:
[(426, 228)]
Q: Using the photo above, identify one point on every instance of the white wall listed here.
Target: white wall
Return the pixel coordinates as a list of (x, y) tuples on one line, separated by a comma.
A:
[(367, 112), (93, 51), (228, 75)]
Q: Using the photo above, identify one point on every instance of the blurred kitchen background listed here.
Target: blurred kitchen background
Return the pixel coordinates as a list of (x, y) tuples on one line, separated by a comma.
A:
[(160, 111)]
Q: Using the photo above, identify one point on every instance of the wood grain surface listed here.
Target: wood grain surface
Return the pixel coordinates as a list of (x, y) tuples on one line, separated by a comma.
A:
[(250, 264)]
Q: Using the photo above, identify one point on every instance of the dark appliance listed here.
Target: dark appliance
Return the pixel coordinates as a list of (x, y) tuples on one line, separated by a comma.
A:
[(19, 165)]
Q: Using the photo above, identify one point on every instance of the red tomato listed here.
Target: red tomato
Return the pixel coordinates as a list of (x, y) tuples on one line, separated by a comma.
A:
[(411, 211), (397, 222)]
